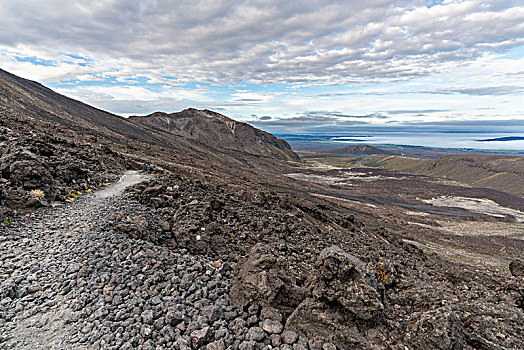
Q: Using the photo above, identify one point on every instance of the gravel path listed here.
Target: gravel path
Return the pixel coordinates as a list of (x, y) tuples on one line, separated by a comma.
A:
[(69, 281)]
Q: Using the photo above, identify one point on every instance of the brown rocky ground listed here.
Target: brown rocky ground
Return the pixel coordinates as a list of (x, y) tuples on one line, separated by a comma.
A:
[(278, 229), (38, 168), (497, 172)]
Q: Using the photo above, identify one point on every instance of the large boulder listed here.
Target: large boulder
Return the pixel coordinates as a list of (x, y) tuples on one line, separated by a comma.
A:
[(343, 280), (136, 227), (516, 267), (30, 174), (262, 278), (344, 297), (435, 329)]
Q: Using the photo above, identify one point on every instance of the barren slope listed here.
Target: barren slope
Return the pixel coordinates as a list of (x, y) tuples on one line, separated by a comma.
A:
[(219, 131), (502, 173)]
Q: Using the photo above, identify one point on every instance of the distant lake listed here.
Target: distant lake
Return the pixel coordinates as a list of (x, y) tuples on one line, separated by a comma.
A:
[(441, 140), (482, 141)]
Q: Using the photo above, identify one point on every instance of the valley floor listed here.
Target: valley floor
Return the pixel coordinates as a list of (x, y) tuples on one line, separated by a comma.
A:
[(69, 280), (461, 223)]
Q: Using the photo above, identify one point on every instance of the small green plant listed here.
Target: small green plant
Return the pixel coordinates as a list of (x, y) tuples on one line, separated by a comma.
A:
[(74, 195), (382, 272), (6, 221)]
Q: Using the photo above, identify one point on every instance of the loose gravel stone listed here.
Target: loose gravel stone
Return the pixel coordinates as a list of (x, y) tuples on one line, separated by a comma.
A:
[(256, 334), (276, 340), (271, 314), (200, 337), (147, 317), (272, 327), (289, 337), (70, 281)]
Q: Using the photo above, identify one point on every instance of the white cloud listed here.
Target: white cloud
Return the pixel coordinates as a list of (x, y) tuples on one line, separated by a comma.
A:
[(266, 40), (155, 52)]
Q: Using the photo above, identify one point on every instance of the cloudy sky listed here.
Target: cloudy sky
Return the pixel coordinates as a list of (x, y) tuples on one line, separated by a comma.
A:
[(285, 66)]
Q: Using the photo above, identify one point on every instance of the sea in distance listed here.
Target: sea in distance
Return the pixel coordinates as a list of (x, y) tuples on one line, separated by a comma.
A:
[(482, 143)]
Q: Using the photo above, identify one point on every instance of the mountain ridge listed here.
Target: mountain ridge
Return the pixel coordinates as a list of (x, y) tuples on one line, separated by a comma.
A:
[(219, 131), (57, 145), (27, 97)]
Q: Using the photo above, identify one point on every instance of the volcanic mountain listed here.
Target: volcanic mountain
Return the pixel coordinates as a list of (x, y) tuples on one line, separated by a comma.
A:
[(218, 131), (29, 98), (55, 144), (360, 150)]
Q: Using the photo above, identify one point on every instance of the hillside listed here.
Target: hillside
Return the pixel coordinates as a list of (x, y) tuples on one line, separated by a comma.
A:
[(503, 173), (24, 98), (57, 145), (218, 131), (25, 102), (359, 150)]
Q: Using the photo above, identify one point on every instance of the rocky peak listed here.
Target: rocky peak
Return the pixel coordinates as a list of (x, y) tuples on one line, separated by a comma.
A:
[(219, 131)]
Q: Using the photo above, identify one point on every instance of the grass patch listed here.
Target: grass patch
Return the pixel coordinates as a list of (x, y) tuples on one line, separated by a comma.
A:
[(37, 194), (353, 161)]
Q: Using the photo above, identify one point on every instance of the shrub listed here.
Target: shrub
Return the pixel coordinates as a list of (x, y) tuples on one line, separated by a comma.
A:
[(37, 193)]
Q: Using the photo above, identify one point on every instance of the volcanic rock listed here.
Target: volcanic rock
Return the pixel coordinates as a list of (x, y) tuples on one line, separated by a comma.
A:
[(516, 267), (262, 278), (439, 329), (343, 295)]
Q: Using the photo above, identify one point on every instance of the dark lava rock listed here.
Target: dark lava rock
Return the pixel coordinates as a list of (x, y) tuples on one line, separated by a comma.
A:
[(272, 326), (520, 300), (256, 334), (436, 329), (262, 278), (343, 280), (289, 337), (342, 298), (201, 337), (516, 267), (135, 227)]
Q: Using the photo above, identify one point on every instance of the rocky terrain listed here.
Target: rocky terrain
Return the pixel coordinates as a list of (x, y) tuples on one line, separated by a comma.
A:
[(70, 281), (53, 147), (301, 267), (37, 169), (498, 172), (219, 131), (213, 248)]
